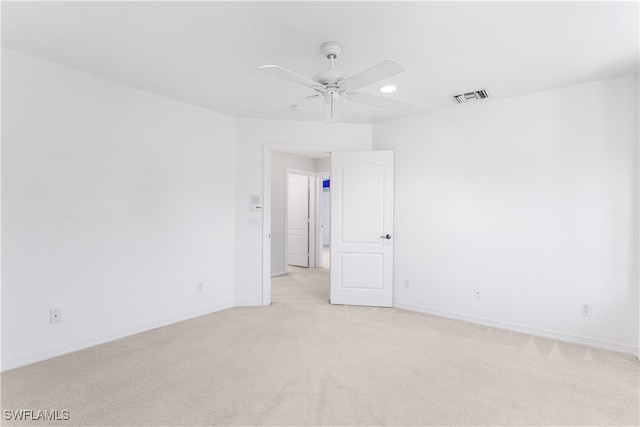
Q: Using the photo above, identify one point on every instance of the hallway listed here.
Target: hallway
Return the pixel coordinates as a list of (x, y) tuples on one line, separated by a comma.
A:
[(309, 285), (301, 285)]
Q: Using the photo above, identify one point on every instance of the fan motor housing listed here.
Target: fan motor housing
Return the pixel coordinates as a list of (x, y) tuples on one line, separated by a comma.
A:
[(329, 78)]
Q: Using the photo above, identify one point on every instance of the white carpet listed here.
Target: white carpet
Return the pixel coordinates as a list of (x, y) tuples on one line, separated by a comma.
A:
[(302, 361)]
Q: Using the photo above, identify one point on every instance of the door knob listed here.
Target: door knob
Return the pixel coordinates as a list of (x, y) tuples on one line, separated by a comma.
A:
[(388, 236)]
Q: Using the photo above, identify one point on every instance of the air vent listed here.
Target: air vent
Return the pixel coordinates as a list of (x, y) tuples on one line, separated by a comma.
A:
[(476, 95)]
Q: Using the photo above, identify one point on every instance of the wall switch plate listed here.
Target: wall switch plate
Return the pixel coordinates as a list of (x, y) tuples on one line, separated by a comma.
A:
[(586, 309), (199, 288), (477, 294), (255, 202), (55, 315), (406, 283)]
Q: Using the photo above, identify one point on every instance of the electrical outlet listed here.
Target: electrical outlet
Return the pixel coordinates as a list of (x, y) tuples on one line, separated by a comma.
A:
[(586, 309), (405, 283), (477, 294), (55, 315), (199, 288)]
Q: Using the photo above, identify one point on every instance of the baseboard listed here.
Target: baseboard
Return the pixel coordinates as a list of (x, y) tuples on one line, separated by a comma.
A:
[(70, 348), (248, 304), (560, 336)]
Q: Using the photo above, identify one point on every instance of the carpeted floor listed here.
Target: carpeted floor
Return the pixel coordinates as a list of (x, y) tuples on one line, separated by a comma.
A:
[(302, 361)]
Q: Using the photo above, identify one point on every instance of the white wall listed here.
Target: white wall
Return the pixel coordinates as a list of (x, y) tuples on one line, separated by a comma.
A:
[(116, 203), (253, 135), (323, 164), (280, 162), (534, 201)]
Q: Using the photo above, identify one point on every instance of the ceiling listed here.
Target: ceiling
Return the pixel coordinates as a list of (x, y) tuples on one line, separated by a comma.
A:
[(208, 53)]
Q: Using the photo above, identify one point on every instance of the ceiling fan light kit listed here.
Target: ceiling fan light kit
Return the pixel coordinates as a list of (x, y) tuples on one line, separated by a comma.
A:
[(388, 89), (333, 85)]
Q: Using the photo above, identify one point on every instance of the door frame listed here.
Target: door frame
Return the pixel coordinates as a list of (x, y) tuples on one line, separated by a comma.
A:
[(267, 149), (319, 206)]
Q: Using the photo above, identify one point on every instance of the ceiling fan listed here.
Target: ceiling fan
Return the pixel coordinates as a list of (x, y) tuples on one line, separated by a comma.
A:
[(332, 85)]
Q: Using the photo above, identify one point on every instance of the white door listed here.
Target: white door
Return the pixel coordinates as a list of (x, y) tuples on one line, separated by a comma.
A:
[(298, 220), (362, 228)]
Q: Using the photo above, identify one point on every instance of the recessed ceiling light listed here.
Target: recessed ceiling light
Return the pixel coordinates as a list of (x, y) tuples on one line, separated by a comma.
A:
[(388, 89)]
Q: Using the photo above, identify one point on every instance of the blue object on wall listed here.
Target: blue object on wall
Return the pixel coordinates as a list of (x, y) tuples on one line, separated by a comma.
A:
[(326, 183)]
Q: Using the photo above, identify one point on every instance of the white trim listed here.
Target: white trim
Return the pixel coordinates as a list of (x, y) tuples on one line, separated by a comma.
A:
[(319, 208), (560, 336), (278, 273), (248, 304), (266, 225), (82, 345)]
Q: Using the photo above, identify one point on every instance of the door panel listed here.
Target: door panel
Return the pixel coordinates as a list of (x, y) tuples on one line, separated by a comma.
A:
[(361, 271), (362, 202), (298, 220), (361, 214)]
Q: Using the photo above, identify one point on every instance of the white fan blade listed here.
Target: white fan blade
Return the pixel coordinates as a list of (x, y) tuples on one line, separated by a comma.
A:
[(331, 107), (290, 75), (381, 71), (291, 104), (390, 104)]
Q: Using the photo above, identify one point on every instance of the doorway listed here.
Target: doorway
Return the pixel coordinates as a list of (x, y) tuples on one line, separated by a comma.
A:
[(366, 179), (280, 163), (307, 278), (307, 219), (324, 211)]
